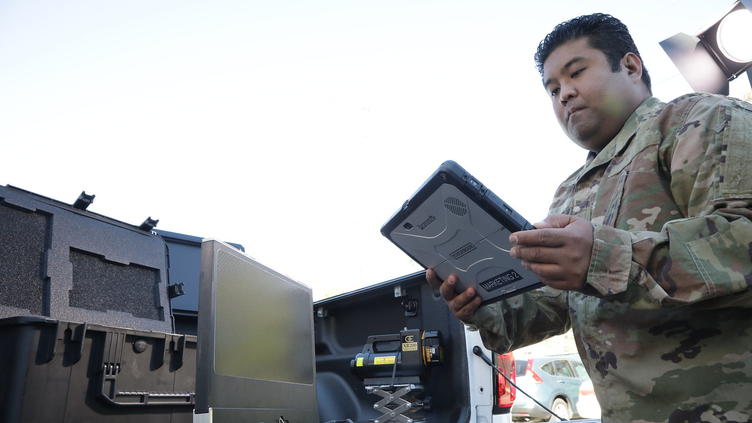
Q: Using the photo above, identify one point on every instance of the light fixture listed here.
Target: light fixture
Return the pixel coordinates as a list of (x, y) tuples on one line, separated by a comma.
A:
[(735, 36), (717, 55)]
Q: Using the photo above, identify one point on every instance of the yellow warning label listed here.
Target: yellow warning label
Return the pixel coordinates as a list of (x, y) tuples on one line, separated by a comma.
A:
[(409, 346), (389, 359), (359, 362)]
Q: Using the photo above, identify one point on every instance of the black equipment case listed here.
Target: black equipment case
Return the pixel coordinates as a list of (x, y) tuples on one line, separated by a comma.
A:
[(53, 371), (63, 262), (85, 321)]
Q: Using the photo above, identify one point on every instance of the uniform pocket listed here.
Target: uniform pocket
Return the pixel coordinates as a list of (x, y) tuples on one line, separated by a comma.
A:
[(612, 210), (735, 132)]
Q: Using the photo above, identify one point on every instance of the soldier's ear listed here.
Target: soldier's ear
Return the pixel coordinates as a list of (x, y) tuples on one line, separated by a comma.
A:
[(633, 64)]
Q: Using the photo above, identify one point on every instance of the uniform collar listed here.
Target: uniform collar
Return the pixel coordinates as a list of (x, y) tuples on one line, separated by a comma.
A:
[(621, 140)]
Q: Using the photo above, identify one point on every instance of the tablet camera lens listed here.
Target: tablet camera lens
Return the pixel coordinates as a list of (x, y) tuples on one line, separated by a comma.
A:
[(407, 226)]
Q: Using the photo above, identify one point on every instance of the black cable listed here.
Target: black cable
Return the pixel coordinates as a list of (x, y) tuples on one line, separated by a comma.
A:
[(477, 351)]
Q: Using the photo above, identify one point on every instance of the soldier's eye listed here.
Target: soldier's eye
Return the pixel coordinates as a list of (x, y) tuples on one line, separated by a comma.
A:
[(554, 92)]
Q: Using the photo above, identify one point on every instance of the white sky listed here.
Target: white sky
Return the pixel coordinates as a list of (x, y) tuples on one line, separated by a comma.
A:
[(296, 128)]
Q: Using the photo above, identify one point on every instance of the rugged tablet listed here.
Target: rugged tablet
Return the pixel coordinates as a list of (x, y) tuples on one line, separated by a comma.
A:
[(455, 224)]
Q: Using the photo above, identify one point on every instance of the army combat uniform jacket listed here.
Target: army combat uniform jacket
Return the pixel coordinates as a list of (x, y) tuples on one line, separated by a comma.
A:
[(664, 322)]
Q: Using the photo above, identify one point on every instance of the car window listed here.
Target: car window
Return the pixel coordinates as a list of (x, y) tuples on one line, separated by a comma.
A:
[(520, 366), (579, 369), (561, 368), (548, 368)]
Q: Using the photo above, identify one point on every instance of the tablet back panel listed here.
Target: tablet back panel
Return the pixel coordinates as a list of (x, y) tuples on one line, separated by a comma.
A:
[(454, 224)]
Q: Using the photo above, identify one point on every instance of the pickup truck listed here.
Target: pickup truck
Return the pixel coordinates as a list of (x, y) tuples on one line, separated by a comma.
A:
[(463, 389)]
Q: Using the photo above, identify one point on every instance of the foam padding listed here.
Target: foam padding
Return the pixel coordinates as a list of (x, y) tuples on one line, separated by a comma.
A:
[(22, 252), (102, 285)]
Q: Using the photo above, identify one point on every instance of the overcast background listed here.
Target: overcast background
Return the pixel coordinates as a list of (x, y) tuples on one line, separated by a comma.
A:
[(296, 128)]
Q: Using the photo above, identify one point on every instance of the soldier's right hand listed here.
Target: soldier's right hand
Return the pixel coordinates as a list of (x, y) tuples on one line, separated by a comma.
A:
[(464, 304)]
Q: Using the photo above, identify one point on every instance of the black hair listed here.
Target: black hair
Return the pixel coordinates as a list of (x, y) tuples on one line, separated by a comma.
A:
[(603, 32)]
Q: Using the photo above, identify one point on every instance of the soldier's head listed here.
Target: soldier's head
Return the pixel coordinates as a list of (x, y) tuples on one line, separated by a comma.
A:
[(594, 75)]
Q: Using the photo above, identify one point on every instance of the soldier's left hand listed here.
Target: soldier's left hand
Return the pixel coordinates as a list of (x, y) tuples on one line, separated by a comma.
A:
[(558, 251)]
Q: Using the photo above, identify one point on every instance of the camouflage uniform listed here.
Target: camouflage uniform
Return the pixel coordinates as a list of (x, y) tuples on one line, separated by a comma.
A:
[(663, 323)]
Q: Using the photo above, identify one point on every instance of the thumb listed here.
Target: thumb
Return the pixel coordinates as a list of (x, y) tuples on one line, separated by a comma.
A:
[(554, 221)]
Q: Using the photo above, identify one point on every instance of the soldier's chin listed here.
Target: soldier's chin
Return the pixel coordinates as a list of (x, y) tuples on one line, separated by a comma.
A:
[(585, 138)]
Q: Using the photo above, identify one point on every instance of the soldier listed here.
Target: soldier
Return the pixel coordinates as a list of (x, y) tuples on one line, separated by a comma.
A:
[(647, 252)]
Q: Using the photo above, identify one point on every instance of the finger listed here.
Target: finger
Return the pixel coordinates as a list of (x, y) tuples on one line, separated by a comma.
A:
[(554, 221), (433, 279), (558, 220), (544, 224), (536, 254), (468, 310), (462, 299), (546, 271), (550, 237), (448, 288)]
